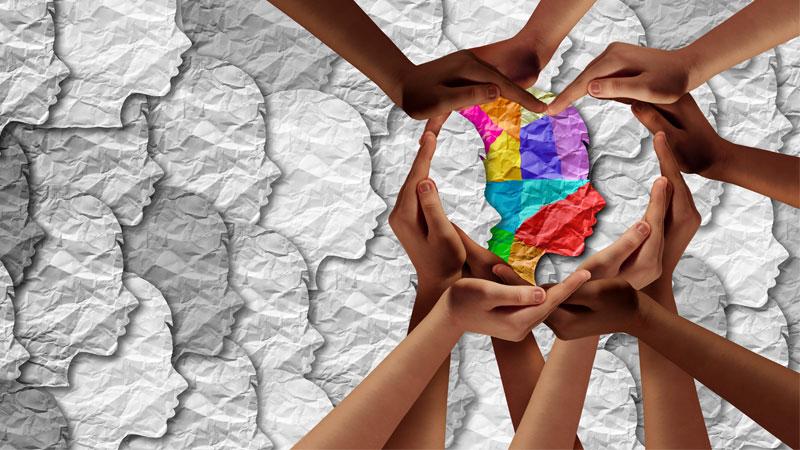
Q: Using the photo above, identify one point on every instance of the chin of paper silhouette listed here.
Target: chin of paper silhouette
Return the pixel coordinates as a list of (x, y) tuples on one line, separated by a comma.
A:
[(537, 172)]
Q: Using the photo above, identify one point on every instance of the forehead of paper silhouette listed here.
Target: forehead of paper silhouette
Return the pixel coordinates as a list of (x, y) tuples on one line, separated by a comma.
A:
[(12, 353), (537, 177)]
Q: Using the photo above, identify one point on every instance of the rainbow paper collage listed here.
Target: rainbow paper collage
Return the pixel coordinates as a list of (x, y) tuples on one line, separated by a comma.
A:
[(537, 178)]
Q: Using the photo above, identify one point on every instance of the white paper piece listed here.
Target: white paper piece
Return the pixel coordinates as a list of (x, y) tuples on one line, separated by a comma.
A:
[(181, 248), (786, 292), (460, 397), (739, 246), (456, 168), (113, 49), (110, 164), (219, 410), (209, 134), (788, 78), (323, 201), (19, 234), (12, 353), (30, 70), (72, 300), (762, 331), (30, 418), (261, 40), (132, 392), (613, 130)]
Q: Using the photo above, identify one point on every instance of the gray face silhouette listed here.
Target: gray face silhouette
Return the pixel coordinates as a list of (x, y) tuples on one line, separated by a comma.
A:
[(12, 353), (19, 234), (180, 248), (323, 201), (132, 392), (110, 164), (262, 47), (72, 300), (31, 418), (218, 410), (148, 48), (208, 134), (31, 72)]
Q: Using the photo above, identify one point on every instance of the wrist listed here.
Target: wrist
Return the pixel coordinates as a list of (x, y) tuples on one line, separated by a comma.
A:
[(691, 62), (724, 153), (394, 83), (444, 316), (435, 287), (646, 310), (536, 44)]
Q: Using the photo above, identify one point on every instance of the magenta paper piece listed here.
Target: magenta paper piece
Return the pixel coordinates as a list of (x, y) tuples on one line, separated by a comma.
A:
[(483, 123)]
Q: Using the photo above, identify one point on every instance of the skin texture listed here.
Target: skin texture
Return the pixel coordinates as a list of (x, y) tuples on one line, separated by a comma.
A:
[(452, 82), (627, 71), (699, 149)]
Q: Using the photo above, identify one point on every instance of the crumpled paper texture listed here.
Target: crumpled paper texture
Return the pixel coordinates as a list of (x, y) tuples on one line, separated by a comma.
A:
[(218, 410), (30, 70), (473, 23), (73, 300), (261, 40), (12, 353), (612, 128), (30, 418), (180, 247), (786, 292), (323, 201), (110, 164), (209, 135), (113, 49), (132, 392), (19, 233)]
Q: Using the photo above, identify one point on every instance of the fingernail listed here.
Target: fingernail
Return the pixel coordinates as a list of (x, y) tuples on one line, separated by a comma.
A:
[(538, 295), (594, 87), (643, 228), (425, 186), (493, 92)]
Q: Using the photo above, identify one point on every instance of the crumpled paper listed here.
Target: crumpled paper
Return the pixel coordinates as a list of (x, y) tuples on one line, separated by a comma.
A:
[(72, 300), (113, 49), (181, 248), (132, 392), (786, 292), (259, 39), (473, 23), (612, 127), (788, 79), (110, 164), (762, 331), (208, 134), (323, 201), (30, 418), (12, 353), (31, 71), (19, 234), (219, 409), (460, 397)]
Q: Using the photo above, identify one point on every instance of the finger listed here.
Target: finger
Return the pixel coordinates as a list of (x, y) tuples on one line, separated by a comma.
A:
[(434, 125), (431, 205), (562, 291), (508, 89), (420, 168), (600, 67), (507, 275), (620, 87), (668, 164), (515, 296), (650, 117), (615, 254), (660, 195), (455, 98)]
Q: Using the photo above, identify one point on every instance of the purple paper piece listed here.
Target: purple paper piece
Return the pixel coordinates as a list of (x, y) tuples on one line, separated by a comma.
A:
[(537, 151), (483, 123), (572, 141)]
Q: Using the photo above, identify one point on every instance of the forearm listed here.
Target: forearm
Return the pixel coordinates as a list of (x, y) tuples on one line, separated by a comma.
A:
[(670, 396), (554, 411), (367, 417), (769, 173), (344, 27), (758, 27), (766, 391), (425, 423), (550, 23), (520, 364)]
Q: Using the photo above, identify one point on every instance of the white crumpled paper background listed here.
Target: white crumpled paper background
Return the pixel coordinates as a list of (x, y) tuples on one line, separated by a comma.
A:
[(205, 227)]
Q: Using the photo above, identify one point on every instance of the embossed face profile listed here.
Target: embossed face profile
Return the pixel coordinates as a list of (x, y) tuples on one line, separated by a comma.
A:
[(132, 392), (12, 353), (323, 201)]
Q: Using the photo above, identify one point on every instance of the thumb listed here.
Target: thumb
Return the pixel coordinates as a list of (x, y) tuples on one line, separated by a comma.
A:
[(455, 98), (650, 117), (432, 210), (507, 275)]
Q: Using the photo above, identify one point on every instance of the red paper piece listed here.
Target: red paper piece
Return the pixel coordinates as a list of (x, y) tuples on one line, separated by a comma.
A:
[(561, 227)]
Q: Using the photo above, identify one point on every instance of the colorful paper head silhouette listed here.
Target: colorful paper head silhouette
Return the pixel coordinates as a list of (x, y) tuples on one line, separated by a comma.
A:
[(537, 177)]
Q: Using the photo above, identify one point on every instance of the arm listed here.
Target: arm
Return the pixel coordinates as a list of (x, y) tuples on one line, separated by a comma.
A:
[(697, 148), (440, 86)]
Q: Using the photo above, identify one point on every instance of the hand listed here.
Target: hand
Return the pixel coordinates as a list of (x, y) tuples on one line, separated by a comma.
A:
[(636, 255), (515, 58), (698, 148), (453, 82), (505, 312), (630, 72), (481, 263), (419, 222)]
